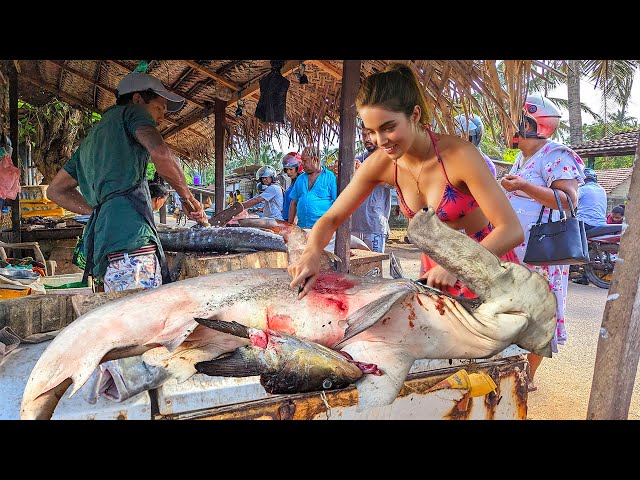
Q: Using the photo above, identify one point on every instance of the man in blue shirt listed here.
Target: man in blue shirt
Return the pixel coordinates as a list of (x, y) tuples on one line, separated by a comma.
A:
[(592, 201), (314, 192), (370, 222)]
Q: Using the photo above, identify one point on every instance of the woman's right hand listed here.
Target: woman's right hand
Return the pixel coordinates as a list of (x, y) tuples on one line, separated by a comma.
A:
[(305, 272)]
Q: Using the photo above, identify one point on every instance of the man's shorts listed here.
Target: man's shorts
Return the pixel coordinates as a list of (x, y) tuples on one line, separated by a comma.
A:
[(132, 270), (375, 241)]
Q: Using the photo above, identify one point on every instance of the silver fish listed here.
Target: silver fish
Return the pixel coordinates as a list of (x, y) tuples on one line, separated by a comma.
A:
[(220, 239)]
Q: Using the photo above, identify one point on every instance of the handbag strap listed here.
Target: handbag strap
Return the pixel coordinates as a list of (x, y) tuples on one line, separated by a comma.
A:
[(571, 209), (563, 215)]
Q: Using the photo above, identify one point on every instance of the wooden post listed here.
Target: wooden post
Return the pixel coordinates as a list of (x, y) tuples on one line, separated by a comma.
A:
[(346, 152), (219, 109), (13, 134), (619, 341)]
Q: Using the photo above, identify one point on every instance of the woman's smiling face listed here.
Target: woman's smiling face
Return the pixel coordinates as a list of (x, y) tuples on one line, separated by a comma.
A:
[(393, 132)]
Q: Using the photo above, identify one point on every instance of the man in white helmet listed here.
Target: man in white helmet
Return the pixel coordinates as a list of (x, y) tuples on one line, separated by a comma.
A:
[(272, 196)]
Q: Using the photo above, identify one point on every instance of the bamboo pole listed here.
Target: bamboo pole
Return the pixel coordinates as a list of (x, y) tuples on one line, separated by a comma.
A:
[(346, 152)]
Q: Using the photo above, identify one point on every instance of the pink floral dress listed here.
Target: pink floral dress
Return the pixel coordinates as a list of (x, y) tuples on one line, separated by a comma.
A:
[(552, 162)]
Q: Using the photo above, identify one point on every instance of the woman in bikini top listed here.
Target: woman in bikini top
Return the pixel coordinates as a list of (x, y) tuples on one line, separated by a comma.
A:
[(454, 204), (394, 111)]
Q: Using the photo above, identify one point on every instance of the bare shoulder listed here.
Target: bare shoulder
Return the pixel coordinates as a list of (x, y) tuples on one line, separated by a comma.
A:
[(378, 167), (458, 153)]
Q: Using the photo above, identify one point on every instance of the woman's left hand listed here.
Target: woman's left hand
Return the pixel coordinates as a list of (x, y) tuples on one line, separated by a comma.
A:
[(513, 182), (440, 278)]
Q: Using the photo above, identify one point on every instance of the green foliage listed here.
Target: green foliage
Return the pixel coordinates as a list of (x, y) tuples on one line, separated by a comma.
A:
[(266, 156), (614, 162), (490, 148), (509, 154), (151, 171)]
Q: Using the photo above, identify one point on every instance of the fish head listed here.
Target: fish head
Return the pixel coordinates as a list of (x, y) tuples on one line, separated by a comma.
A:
[(304, 366), (286, 364)]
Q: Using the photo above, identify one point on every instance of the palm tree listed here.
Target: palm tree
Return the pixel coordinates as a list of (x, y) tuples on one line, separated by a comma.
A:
[(613, 77)]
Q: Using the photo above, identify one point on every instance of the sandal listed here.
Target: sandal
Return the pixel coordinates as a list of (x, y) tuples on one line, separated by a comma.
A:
[(531, 387)]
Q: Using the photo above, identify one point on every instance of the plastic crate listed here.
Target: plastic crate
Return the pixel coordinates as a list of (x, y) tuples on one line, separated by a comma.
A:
[(33, 193)]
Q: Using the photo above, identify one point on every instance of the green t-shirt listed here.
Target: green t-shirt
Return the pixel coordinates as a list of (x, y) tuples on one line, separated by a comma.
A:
[(109, 160)]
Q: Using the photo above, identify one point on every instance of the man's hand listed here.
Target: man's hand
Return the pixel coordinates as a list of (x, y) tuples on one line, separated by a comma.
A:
[(513, 182), (440, 278), (194, 210)]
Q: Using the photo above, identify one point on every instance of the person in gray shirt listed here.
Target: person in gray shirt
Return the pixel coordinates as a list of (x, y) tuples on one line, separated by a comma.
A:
[(272, 195), (370, 222)]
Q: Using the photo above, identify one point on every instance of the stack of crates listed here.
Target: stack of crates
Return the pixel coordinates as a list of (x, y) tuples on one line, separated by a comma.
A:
[(34, 202)]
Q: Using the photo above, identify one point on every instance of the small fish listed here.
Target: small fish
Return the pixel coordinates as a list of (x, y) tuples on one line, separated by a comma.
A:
[(286, 364)]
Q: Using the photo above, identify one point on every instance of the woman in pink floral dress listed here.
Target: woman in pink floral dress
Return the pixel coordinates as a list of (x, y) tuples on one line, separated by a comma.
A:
[(541, 165)]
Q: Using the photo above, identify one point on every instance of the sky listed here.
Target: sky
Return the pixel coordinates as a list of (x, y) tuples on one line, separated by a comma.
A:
[(593, 99)]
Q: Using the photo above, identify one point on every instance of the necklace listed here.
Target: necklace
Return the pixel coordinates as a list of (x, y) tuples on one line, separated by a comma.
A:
[(413, 176)]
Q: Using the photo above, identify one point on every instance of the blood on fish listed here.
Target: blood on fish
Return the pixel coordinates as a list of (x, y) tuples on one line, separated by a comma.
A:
[(440, 305), (333, 283), (259, 338), (371, 368), (412, 316), (420, 302), (280, 323), (385, 319)]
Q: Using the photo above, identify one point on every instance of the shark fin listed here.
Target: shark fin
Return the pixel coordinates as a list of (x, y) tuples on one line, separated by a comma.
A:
[(368, 315)]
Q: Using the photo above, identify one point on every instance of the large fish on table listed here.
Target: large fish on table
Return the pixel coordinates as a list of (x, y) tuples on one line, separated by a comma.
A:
[(381, 322), (220, 239)]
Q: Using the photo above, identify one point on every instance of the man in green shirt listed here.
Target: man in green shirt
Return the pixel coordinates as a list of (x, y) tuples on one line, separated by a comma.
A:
[(121, 244)]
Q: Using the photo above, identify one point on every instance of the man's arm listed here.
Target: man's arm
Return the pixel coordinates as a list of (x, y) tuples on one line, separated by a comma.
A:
[(168, 168), (252, 201), (62, 190)]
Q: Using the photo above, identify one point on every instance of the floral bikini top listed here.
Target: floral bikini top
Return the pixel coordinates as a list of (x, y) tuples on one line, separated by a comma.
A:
[(454, 203)]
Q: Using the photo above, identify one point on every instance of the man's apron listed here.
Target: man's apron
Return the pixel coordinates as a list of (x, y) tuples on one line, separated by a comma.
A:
[(140, 198)]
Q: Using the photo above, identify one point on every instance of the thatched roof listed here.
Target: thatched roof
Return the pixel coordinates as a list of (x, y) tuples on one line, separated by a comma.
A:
[(312, 110)]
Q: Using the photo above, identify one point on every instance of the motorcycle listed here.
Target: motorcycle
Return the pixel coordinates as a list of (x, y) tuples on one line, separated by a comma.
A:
[(604, 242)]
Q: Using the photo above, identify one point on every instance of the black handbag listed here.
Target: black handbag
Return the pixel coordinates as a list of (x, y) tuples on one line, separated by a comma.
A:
[(563, 242)]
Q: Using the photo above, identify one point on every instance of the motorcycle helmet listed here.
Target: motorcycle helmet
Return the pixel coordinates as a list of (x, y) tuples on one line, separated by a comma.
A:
[(292, 159), (265, 171), (590, 174), (544, 115), (473, 127)]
